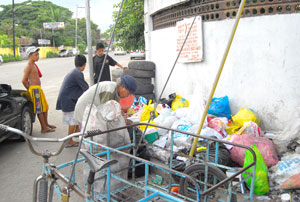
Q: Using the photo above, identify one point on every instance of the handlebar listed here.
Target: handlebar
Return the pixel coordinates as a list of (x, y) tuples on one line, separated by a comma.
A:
[(29, 139)]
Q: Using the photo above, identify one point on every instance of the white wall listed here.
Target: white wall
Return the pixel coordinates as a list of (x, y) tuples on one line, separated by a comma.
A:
[(262, 70)]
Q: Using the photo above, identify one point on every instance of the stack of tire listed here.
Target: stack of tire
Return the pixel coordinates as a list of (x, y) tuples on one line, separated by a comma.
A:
[(143, 72)]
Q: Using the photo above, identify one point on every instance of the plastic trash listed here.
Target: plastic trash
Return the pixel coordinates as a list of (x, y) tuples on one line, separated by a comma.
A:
[(261, 185), (220, 107)]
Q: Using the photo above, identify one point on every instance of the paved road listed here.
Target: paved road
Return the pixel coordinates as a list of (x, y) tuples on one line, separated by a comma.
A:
[(18, 166)]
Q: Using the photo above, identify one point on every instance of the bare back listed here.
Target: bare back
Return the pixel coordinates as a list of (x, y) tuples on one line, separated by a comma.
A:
[(31, 75)]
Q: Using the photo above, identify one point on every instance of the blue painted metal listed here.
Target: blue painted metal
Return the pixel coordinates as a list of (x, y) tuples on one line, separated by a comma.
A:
[(147, 188), (252, 182), (171, 159), (167, 196), (151, 196), (98, 154), (108, 178), (146, 179)]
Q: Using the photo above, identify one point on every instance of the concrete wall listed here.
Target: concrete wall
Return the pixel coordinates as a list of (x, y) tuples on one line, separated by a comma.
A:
[(9, 51), (43, 51), (262, 70)]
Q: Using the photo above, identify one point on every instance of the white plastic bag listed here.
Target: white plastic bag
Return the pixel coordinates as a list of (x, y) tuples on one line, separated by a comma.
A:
[(181, 139), (284, 169), (105, 117)]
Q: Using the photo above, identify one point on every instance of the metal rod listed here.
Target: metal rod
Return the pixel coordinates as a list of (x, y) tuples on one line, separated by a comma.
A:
[(108, 178), (218, 75)]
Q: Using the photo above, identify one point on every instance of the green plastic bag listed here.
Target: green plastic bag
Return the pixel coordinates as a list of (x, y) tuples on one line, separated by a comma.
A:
[(261, 185)]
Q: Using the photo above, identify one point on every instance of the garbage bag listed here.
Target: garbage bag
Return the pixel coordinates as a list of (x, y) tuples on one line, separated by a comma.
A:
[(219, 124), (146, 113), (220, 107), (291, 183), (286, 169), (179, 102), (245, 115), (232, 127), (105, 117), (261, 185), (265, 146)]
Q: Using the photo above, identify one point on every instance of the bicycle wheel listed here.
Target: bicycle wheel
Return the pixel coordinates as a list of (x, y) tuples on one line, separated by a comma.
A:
[(43, 190), (215, 175)]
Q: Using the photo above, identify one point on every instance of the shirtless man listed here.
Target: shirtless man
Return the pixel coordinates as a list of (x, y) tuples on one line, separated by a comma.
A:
[(31, 81)]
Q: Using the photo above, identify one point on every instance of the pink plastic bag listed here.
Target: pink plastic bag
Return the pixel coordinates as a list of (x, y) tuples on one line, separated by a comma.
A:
[(219, 124), (265, 146)]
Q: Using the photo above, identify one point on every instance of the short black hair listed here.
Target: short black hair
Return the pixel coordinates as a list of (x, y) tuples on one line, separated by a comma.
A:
[(80, 60), (99, 45)]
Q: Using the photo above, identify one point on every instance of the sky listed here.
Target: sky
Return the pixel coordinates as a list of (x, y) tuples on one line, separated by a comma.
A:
[(100, 13)]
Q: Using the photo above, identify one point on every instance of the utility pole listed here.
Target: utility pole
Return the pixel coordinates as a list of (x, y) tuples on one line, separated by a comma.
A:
[(89, 41), (13, 17), (76, 24)]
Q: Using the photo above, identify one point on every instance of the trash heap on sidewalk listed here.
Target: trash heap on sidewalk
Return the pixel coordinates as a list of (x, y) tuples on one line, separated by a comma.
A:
[(277, 167)]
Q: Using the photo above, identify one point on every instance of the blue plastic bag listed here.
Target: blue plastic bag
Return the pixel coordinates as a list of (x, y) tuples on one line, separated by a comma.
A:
[(220, 107)]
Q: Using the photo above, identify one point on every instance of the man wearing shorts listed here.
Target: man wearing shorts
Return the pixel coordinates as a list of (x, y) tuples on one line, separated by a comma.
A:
[(31, 81), (72, 88)]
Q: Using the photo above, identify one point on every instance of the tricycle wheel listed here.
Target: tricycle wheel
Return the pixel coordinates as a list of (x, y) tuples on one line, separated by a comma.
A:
[(215, 175)]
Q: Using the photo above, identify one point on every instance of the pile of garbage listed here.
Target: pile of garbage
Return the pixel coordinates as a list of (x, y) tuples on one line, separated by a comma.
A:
[(277, 170)]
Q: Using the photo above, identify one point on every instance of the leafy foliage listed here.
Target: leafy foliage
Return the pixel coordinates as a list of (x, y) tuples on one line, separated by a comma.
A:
[(29, 19), (81, 48), (5, 42), (10, 58), (51, 55), (129, 32)]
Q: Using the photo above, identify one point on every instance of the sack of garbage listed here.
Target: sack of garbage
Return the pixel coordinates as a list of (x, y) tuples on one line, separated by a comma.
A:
[(245, 115), (261, 185), (105, 117), (220, 107), (265, 146), (284, 170)]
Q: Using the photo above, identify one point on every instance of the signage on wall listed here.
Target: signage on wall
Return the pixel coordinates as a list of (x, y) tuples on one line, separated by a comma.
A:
[(54, 25), (43, 42), (193, 47)]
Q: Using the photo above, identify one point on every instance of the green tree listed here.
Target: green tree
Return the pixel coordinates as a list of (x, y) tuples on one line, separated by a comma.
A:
[(81, 48), (29, 19), (5, 41), (129, 32)]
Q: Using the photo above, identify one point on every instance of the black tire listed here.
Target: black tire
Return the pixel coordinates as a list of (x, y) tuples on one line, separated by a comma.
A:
[(197, 171), (143, 81), (26, 122), (139, 73), (149, 96), (142, 65), (144, 89), (43, 190)]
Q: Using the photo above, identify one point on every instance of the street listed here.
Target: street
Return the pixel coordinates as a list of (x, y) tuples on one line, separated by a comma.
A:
[(19, 167)]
